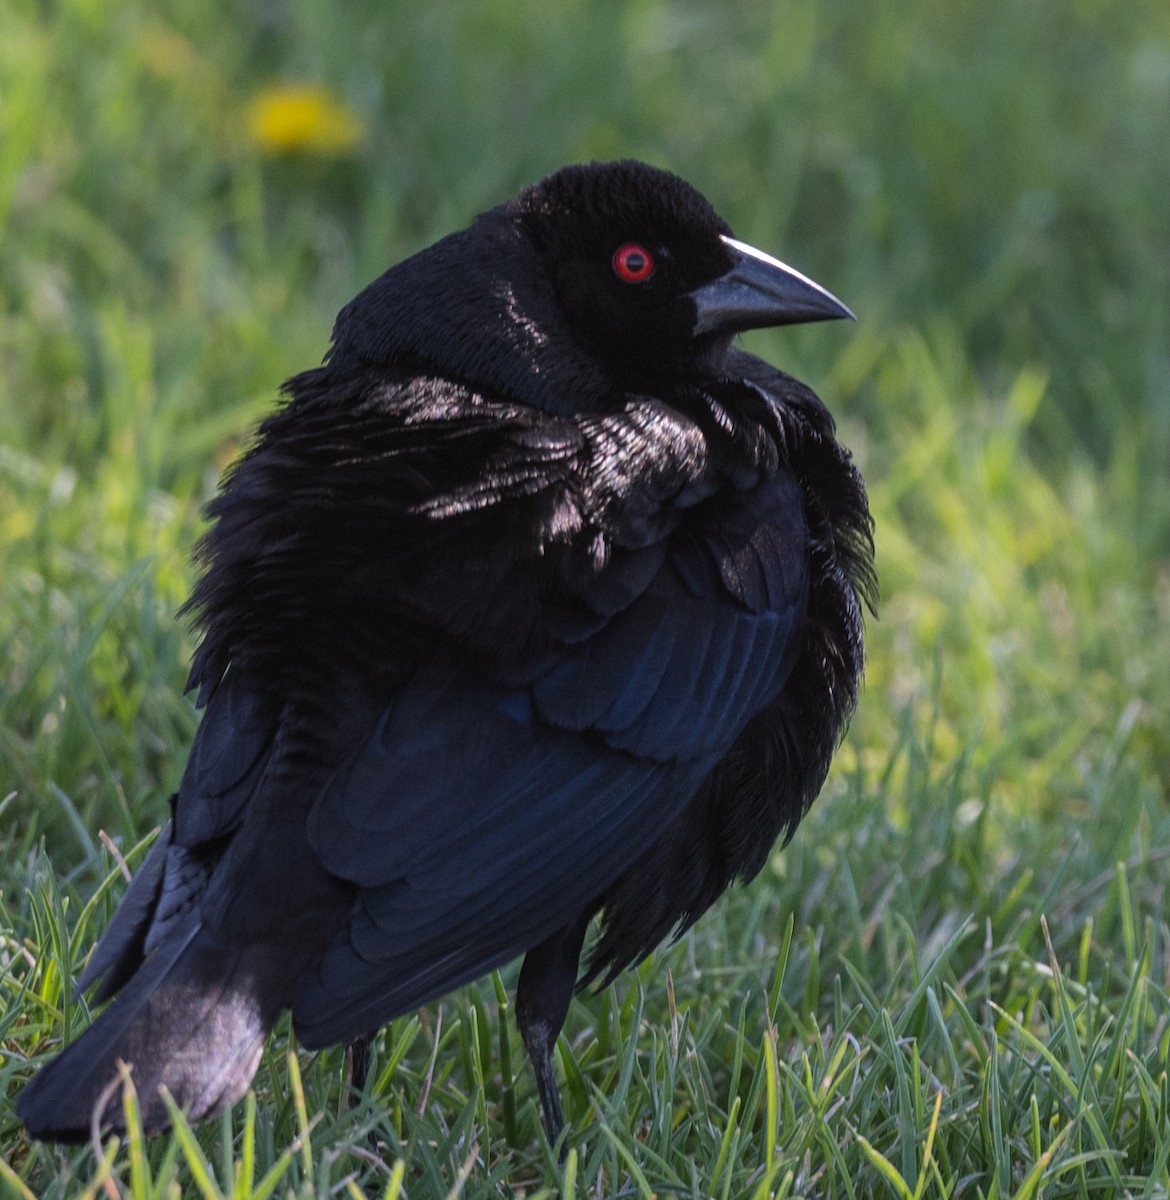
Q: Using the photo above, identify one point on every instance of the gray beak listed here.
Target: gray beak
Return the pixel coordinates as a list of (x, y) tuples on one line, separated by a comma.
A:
[(757, 291)]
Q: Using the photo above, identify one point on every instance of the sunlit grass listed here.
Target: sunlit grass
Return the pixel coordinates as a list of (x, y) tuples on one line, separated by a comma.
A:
[(954, 981)]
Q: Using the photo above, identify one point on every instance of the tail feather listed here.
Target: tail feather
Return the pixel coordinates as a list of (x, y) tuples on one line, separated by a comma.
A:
[(193, 1019)]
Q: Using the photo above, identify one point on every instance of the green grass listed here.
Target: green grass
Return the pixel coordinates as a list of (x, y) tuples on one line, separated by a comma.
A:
[(956, 980)]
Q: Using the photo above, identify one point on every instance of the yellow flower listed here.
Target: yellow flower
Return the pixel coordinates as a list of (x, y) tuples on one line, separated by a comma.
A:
[(287, 118)]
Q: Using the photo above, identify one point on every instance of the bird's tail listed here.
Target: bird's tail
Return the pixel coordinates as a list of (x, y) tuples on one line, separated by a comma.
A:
[(192, 1019)]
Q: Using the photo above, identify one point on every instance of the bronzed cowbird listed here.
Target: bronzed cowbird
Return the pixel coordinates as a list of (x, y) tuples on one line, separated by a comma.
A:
[(535, 608)]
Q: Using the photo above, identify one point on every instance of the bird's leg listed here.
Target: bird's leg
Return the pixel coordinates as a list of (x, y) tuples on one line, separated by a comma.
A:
[(357, 1068), (358, 1062), (546, 986)]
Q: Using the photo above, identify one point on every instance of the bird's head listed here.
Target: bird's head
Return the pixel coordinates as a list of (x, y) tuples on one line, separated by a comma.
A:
[(648, 275), (614, 265)]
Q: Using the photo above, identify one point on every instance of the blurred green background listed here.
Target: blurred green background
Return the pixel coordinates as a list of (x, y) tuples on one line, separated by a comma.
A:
[(190, 190)]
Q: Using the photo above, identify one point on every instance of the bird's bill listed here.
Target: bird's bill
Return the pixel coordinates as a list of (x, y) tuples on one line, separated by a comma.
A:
[(757, 291)]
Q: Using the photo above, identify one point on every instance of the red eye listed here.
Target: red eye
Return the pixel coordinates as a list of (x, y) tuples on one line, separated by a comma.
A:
[(633, 263)]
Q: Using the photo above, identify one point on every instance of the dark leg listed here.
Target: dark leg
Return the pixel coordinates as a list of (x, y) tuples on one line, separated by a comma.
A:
[(357, 1063), (358, 1056), (546, 986)]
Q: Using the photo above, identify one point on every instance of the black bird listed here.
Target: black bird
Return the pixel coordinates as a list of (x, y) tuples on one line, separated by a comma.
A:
[(538, 602)]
